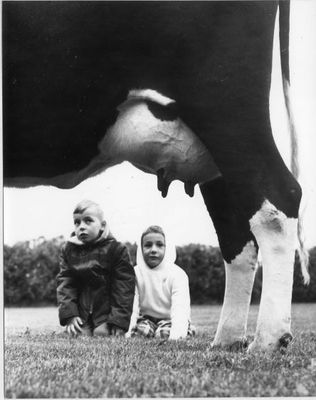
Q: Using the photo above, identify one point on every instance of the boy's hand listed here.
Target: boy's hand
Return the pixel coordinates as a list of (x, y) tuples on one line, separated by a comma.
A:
[(73, 326), (117, 331)]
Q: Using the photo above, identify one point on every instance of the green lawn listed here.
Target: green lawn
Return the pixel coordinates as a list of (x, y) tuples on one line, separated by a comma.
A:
[(41, 362)]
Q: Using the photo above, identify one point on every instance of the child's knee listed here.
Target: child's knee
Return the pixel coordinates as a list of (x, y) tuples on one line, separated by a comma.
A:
[(86, 331), (144, 328), (163, 333), (102, 330), (163, 330)]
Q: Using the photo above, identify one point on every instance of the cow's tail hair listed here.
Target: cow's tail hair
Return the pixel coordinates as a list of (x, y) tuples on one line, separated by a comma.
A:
[(284, 30), (302, 251)]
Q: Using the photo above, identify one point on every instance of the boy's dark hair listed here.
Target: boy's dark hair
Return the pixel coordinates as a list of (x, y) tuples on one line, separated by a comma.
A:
[(152, 229)]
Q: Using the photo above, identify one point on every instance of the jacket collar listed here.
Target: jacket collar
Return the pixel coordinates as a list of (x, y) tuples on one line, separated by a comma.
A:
[(105, 236)]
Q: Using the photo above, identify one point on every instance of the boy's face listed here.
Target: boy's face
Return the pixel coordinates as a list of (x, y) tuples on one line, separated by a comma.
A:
[(88, 225), (153, 248)]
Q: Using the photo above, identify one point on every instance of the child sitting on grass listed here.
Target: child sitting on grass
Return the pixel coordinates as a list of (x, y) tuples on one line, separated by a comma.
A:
[(162, 298), (96, 282)]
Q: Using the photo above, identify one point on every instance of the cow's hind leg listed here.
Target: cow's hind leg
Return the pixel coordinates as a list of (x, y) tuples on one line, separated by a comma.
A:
[(276, 236), (239, 251)]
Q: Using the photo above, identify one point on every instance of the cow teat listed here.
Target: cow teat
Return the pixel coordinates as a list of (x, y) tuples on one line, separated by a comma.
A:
[(189, 188), (156, 141), (162, 183)]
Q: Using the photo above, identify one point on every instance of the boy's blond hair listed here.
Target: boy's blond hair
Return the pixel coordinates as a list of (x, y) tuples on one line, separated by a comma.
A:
[(84, 204)]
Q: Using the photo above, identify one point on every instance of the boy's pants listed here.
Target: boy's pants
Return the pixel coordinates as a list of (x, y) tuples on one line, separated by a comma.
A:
[(153, 327)]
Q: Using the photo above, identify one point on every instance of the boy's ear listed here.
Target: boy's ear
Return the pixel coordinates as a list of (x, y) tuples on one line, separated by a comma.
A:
[(103, 223)]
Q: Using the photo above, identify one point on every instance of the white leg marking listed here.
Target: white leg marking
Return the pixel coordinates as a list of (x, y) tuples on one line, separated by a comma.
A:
[(276, 236), (240, 275)]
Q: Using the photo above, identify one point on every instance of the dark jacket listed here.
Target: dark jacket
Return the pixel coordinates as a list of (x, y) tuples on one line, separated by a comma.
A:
[(97, 279)]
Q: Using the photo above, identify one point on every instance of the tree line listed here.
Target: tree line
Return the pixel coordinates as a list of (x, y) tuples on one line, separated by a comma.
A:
[(30, 270)]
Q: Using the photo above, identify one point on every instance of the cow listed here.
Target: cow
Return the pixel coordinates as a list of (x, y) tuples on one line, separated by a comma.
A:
[(181, 90)]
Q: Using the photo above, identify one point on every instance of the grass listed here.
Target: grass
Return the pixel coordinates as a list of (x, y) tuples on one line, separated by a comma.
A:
[(41, 362)]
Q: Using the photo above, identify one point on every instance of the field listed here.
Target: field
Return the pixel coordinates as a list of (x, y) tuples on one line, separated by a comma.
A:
[(41, 362)]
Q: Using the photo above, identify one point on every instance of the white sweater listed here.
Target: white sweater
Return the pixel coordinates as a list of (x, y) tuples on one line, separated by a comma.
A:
[(163, 292)]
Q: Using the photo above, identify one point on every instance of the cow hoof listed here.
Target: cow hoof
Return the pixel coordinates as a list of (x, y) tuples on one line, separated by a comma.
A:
[(284, 341), (238, 345), (279, 345)]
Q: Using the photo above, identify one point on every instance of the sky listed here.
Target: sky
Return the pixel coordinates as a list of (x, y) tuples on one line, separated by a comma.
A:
[(130, 197)]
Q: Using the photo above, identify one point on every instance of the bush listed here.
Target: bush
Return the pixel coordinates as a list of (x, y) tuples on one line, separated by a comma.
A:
[(301, 292), (30, 270), (205, 268)]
